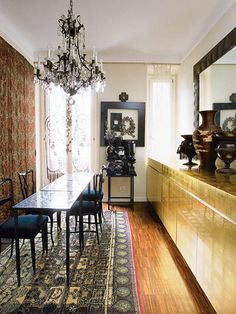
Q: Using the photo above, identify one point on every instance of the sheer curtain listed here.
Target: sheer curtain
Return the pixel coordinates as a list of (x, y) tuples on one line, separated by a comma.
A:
[(66, 134), (161, 115)]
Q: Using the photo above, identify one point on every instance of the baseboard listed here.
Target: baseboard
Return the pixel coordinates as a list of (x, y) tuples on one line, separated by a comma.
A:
[(138, 199)]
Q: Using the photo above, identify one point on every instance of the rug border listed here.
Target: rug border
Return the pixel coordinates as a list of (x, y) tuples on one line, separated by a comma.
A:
[(135, 268)]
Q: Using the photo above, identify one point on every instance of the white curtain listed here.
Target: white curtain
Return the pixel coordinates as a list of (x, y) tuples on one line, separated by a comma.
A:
[(161, 115), (65, 134)]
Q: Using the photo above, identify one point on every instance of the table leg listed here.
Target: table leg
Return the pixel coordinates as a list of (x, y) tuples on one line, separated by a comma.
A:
[(132, 192), (67, 249), (17, 247), (109, 191)]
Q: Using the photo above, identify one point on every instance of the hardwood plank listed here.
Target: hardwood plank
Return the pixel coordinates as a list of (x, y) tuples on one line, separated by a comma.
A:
[(166, 283)]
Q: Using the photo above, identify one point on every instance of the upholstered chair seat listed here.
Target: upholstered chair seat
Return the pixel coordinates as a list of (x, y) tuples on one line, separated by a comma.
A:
[(28, 226)]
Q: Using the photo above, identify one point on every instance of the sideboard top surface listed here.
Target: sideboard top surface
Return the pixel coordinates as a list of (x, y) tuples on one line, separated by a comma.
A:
[(226, 183)]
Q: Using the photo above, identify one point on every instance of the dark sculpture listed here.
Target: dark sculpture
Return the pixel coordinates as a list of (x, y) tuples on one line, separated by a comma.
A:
[(123, 97), (186, 149), (121, 157), (226, 151)]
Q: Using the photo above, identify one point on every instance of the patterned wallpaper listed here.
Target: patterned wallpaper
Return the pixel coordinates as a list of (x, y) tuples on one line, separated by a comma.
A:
[(17, 116)]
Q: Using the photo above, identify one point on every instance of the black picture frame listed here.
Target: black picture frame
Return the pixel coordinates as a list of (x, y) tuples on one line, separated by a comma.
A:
[(133, 106), (222, 107)]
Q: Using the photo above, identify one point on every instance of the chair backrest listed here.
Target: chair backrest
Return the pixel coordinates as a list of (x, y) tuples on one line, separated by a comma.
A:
[(27, 184), (6, 186), (52, 175), (98, 182)]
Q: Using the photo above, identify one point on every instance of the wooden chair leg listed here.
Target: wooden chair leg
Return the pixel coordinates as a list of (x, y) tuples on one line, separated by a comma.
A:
[(45, 238), (81, 233), (33, 254), (100, 220), (76, 222), (51, 224), (89, 222), (96, 224), (101, 210), (12, 247), (59, 221)]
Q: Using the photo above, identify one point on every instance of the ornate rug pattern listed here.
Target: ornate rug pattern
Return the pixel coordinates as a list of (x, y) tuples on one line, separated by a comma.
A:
[(102, 278)]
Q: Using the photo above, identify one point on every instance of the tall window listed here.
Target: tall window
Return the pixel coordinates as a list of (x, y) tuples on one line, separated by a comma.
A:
[(161, 116), (68, 132)]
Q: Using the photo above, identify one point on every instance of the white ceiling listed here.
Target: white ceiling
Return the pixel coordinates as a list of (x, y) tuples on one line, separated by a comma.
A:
[(121, 30)]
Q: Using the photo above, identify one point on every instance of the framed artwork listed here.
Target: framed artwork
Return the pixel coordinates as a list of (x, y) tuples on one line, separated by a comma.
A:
[(125, 119), (226, 116)]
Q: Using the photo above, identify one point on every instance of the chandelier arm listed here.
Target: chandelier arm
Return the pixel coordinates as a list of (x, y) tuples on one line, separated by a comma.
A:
[(83, 60)]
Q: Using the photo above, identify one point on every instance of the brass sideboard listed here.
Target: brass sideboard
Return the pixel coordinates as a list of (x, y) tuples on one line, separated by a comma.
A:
[(199, 212)]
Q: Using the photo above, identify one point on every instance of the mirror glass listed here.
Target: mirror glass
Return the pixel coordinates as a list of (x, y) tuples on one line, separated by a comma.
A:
[(218, 81)]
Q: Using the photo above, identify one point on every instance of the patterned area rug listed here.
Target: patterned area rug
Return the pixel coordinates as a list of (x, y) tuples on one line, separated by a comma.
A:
[(102, 278)]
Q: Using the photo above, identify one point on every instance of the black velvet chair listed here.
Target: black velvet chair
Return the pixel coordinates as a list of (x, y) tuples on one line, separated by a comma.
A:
[(95, 192), (28, 225), (27, 185), (92, 207)]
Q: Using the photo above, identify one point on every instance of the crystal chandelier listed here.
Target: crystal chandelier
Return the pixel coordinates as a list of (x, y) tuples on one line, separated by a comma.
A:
[(67, 66)]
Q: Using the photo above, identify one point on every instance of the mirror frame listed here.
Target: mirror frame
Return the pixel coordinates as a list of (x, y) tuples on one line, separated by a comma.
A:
[(225, 45)]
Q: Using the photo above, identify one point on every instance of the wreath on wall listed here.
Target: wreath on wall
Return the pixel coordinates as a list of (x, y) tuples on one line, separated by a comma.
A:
[(229, 124), (130, 129)]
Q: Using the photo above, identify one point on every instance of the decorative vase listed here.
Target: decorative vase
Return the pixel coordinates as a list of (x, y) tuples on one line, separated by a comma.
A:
[(186, 149), (226, 151), (205, 140)]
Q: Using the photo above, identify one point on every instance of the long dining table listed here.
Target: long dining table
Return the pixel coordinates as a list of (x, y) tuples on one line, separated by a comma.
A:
[(59, 195)]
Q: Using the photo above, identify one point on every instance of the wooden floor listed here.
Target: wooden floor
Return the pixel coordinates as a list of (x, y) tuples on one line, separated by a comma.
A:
[(166, 284)]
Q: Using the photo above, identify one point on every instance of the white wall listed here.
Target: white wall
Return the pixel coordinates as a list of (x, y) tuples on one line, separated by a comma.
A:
[(185, 100), (217, 83), (223, 82), (129, 78)]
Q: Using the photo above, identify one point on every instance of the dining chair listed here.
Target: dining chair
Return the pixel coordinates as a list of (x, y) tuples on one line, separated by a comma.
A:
[(84, 207), (28, 225), (27, 185), (52, 175), (96, 191)]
